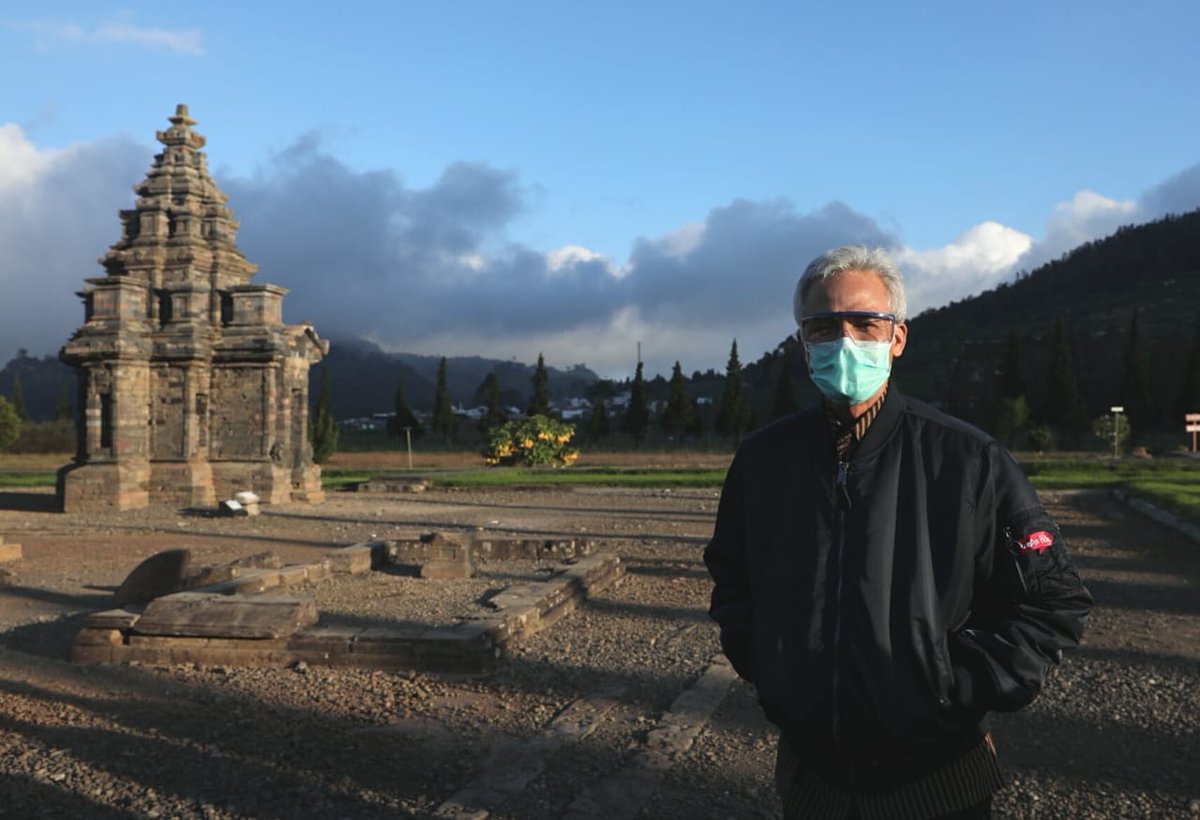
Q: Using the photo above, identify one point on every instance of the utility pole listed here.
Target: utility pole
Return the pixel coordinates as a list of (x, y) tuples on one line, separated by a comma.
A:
[(408, 442)]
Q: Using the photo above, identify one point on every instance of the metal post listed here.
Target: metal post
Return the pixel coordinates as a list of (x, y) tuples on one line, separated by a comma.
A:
[(1117, 411), (408, 442)]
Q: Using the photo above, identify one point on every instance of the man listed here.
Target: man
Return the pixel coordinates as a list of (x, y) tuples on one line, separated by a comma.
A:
[(884, 574)]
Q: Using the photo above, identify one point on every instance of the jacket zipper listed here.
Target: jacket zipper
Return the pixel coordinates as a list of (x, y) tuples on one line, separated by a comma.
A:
[(844, 504)]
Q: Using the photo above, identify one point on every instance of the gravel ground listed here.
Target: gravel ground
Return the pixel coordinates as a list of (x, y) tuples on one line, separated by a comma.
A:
[(576, 711)]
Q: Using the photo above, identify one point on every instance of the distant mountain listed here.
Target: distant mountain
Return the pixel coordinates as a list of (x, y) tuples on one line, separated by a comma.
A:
[(43, 380), (953, 356), (363, 378)]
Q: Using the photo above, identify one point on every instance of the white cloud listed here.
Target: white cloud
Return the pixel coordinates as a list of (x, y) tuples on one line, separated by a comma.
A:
[(20, 162), (980, 258), (569, 255), (186, 41)]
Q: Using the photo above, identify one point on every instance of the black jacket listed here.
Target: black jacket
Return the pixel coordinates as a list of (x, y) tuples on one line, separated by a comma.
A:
[(883, 605)]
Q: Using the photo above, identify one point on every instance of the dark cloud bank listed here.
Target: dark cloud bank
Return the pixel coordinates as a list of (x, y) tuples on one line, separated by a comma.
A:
[(363, 254)]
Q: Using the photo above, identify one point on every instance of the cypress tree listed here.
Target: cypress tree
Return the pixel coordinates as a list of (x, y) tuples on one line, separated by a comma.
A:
[(637, 417), (784, 402), (403, 416), (1010, 411), (1064, 409), (18, 398), (539, 399), (735, 414), (10, 424), (323, 431), (1011, 384), (597, 420), (1189, 388), (494, 416), (443, 410), (679, 416), (62, 410), (1134, 394)]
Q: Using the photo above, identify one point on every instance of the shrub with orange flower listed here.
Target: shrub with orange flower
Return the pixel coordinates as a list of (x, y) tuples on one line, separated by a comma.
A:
[(531, 442)]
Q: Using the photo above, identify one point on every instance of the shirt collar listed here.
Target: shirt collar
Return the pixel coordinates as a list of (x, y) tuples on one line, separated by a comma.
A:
[(845, 435)]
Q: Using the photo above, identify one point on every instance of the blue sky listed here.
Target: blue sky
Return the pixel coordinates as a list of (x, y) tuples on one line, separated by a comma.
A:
[(505, 179)]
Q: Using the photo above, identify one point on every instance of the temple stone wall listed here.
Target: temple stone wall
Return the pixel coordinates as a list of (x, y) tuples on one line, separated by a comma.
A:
[(192, 387)]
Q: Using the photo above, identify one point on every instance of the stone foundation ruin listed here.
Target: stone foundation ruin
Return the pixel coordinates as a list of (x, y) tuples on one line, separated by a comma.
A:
[(268, 615), (191, 387)]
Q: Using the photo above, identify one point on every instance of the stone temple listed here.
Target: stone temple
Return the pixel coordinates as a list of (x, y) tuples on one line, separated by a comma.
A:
[(191, 386)]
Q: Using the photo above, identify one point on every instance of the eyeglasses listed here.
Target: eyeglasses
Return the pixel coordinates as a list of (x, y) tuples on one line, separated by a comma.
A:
[(861, 325)]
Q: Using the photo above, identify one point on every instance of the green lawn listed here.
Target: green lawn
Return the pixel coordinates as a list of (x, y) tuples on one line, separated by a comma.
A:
[(1172, 484), (26, 479), (565, 477)]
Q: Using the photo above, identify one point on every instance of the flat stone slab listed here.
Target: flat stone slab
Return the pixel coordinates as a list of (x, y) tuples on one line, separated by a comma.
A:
[(202, 614), (9, 552)]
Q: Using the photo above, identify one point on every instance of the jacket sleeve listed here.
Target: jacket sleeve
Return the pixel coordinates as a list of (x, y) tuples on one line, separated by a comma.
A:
[(732, 607), (1032, 604)]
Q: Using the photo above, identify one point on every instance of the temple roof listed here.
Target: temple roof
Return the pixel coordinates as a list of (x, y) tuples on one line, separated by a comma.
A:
[(180, 229)]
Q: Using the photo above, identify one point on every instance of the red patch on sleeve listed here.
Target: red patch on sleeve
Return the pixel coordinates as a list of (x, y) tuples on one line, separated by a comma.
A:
[(1036, 542)]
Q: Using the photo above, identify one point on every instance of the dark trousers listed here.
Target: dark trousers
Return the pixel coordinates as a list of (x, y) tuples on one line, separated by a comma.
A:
[(805, 796)]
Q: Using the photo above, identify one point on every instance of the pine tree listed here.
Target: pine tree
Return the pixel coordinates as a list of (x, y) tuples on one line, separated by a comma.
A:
[(1134, 394), (10, 424), (597, 421), (637, 417), (18, 398), (323, 431), (539, 399), (62, 410), (679, 416), (1011, 384), (1064, 409), (735, 415), (403, 416), (1010, 411), (784, 402), (443, 410), (1189, 389), (494, 416)]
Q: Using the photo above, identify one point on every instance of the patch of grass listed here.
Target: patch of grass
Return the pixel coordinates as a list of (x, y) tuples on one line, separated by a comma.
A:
[(336, 479), (27, 479), (513, 477), (1180, 498), (1171, 484)]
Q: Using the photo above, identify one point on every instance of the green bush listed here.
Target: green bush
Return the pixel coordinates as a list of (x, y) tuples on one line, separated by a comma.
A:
[(531, 442), (10, 424)]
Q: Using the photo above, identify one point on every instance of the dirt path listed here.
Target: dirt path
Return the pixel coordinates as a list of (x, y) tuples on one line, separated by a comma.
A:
[(589, 709)]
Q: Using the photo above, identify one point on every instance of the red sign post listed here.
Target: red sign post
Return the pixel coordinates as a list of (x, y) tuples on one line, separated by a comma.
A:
[(1192, 425)]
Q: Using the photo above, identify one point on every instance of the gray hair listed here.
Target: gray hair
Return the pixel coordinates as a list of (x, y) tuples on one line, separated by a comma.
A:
[(847, 258)]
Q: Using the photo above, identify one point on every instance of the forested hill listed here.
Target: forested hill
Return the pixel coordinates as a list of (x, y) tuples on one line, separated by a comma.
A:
[(955, 358), (955, 353), (363, 379)]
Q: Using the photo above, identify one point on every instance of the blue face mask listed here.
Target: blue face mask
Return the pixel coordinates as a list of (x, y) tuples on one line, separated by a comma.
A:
[(848, 371)]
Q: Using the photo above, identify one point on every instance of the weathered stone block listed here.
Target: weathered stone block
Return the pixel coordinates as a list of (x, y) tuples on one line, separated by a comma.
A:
[(352, 560), (203, 615), (9, 552), (112, 619), (160, 574)]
